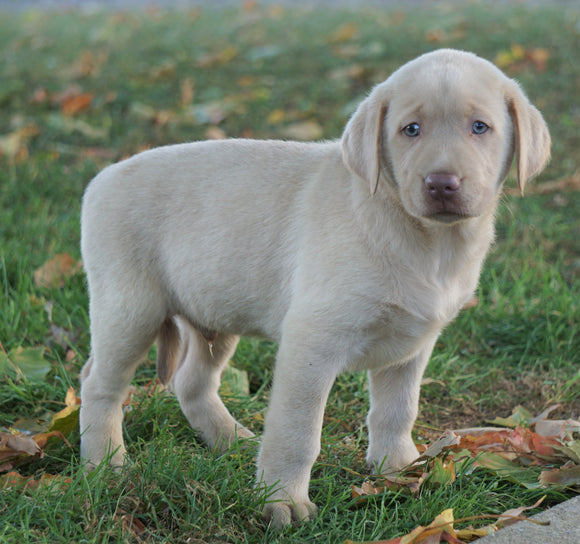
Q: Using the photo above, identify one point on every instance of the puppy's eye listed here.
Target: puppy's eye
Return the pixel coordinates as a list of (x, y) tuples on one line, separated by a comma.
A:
[(413, 130), (479, 127)]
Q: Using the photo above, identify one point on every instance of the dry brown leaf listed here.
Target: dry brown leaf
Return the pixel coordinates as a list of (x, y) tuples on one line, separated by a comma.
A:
[(566, 183), (539, 58), (187, 92), (557, 427), (88, 63), (56, 271), (446, 440), (567, 475), (509, 517), (14, 449)]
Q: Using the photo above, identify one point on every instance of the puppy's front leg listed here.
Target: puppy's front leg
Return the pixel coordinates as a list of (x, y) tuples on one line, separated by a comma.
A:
[(394, 398), (291, 441)]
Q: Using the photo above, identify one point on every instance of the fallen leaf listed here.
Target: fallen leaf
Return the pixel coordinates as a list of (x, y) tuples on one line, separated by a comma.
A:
[(306, 130), (567, 183), (507, 469), (215, 133), (218, 58), (14, 449), (366, 489), (446, 440), (508, 57), (343, 33), (520, 416), (571, 449), (75, 104), (567, 476), (60, 336), (165, 70), (509, 517), (275, 117), (557, 427), (13, 480), (235, 383), (14, 146), (88, 63), (71, 125), (65, 421), (539, 58), (56, 271), (441, 528), (28, 362), (187, 92), (441, 473)]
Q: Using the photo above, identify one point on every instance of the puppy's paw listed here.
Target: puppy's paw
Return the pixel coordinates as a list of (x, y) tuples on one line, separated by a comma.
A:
[(283, 512), (392, 458), (225, 441)]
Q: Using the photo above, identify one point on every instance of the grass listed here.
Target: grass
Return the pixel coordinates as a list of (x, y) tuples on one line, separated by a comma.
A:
[(157, 78)]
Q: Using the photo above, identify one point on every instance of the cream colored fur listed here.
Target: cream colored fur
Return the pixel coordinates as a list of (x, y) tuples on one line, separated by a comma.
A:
[(334, 250)]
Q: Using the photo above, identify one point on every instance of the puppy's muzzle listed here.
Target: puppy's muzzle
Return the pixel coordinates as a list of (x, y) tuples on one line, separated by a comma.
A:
[(443, 197)]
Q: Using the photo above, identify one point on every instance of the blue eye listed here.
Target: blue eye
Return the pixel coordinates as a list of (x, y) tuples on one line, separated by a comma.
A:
[(479, 127), (413, 130)]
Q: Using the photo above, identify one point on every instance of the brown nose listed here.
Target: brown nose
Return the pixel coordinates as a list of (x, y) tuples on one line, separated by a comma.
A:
[(442, 186)]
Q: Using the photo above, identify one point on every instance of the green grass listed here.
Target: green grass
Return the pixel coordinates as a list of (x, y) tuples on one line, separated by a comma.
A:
[(519, 345)]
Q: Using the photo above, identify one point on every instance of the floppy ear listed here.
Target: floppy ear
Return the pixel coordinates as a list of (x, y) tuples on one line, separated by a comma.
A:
[(362, 138), (531, 135)]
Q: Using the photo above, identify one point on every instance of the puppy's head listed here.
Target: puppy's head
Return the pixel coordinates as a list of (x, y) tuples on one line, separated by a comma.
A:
[(443, 130)]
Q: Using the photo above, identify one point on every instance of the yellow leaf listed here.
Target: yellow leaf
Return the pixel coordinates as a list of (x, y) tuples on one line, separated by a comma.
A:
[(343, 33), (218, 58), (14, 144), (71, 398), (276, 116), (506, 58), (306, 130)]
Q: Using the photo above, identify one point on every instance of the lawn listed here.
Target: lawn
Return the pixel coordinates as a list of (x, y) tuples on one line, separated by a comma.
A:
[(81, 90)]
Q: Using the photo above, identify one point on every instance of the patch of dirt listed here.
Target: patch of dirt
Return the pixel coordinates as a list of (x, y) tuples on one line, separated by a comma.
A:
[(439, 411)]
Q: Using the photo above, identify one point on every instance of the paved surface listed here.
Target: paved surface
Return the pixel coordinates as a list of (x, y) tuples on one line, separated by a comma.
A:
[(564, 528)]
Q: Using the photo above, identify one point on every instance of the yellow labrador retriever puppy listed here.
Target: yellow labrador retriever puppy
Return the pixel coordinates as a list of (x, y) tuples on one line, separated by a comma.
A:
[(351, 255)]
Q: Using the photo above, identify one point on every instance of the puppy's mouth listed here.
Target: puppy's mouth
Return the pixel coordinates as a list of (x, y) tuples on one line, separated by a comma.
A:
[(448, 217)]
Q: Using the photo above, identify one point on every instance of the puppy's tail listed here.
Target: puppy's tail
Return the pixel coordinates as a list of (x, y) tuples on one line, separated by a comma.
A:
[(168, 350)]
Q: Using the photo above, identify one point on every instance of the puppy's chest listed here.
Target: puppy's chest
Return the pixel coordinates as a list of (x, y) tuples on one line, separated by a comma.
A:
[(409, 321)]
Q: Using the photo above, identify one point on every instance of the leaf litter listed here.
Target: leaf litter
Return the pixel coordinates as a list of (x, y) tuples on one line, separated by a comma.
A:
[(509, 452)]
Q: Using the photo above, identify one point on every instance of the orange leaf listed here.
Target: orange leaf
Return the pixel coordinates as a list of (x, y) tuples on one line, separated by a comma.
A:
[(54, 272), (72, 105), (539, 58), (13, 480)]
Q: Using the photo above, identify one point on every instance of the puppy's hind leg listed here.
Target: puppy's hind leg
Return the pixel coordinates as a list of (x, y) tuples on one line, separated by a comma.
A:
[(196, 385), (122, 330)]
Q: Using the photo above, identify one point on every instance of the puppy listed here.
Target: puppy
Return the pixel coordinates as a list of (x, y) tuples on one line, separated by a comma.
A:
[(351, 255)]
